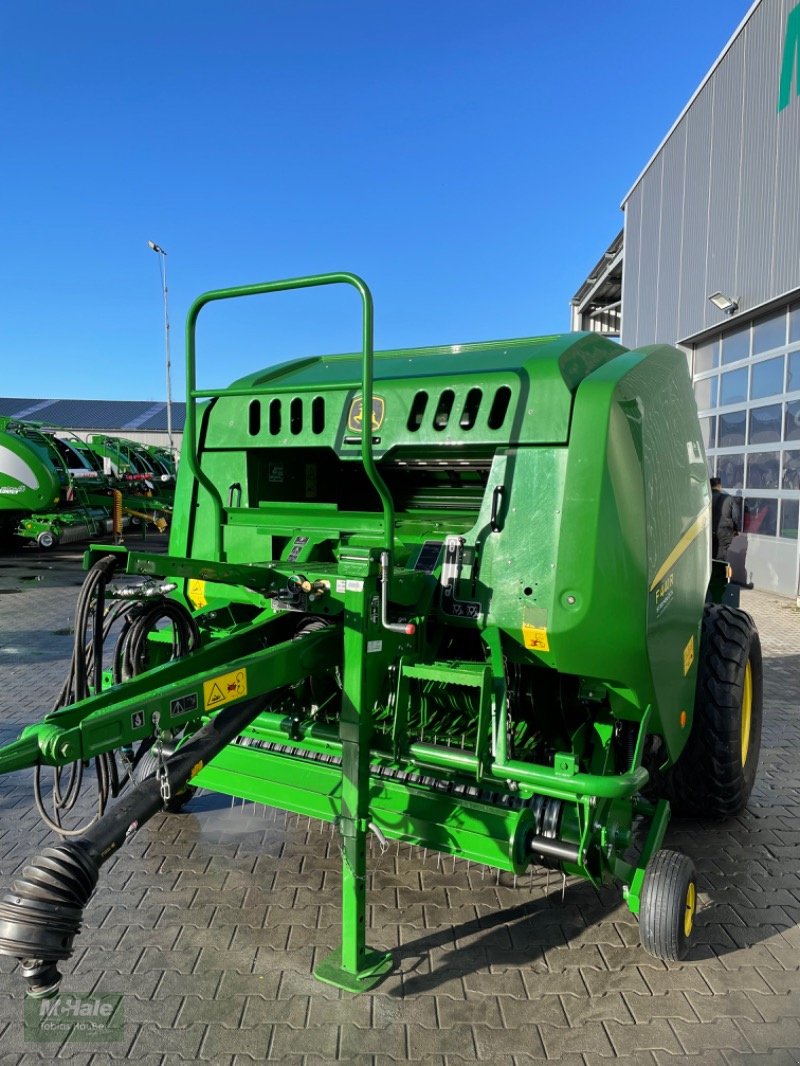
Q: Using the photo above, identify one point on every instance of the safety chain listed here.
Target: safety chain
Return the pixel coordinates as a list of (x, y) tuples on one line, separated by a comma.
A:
[(161, 771)]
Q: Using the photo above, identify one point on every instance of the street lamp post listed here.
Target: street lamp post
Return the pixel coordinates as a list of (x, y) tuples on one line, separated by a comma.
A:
[(162, 260)]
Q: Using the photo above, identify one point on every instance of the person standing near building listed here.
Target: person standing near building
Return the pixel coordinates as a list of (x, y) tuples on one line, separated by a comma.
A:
[(725, 520)]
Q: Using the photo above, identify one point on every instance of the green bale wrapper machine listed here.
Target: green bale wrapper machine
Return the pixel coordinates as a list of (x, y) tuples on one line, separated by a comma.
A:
[(454, 597), (49, 491), (144, 475), (54, 488)]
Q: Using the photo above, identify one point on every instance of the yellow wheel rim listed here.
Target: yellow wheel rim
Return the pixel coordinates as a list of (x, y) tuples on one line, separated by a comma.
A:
[(689, 909), (747, 711)]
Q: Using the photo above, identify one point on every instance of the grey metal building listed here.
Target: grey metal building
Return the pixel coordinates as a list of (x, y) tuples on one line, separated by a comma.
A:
[(711, 262)]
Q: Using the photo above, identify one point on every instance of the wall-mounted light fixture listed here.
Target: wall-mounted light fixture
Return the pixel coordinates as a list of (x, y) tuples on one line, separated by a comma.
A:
[(724, 303)]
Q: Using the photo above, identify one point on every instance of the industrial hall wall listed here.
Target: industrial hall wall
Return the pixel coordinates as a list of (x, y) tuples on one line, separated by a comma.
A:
[(717, 210)]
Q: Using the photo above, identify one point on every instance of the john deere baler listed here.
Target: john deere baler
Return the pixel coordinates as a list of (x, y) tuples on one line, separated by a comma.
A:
[(452, 596)]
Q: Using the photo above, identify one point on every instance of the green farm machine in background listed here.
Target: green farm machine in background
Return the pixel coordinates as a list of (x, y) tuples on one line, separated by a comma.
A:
[(131, 462), (454, 597), (145, 475), (49, 491), (56, 488)]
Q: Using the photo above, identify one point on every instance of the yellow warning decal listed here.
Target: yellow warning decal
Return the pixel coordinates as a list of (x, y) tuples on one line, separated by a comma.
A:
[(535, 638), (688, 656), (196, 591), (224, 689)]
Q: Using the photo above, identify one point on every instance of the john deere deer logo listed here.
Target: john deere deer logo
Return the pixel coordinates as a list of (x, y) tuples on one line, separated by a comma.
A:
[(355, 418)]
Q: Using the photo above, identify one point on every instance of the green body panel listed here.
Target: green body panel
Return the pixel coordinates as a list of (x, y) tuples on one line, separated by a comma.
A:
[(540, 372), (467, 582), (28, 479)]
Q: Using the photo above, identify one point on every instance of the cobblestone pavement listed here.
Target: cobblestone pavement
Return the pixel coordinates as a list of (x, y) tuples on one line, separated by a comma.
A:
[(210, 922)]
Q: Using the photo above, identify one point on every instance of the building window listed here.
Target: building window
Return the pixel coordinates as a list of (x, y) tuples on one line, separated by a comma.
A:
[(705, 393), (793, 372), (794, 323), (769, 332), (765, 424), (732, 429), (763, 469), (789, 516), (754, 448), (791, 421), (708, 429), (736, 345), (730, 470), (706, 356), (766, 378), (734, 387), (760, 515), (791, 469)]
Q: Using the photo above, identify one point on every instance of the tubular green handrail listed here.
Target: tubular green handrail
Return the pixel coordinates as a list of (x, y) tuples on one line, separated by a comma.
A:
[(192, 393)]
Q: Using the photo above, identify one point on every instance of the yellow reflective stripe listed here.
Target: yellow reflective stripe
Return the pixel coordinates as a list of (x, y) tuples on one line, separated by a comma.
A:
[(694, 531)]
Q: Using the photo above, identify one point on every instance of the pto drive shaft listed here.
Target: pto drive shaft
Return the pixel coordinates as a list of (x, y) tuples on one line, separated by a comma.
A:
[(42, 913)]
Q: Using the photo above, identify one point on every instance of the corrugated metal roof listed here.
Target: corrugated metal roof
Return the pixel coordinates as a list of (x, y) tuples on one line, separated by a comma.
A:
[(12, 408), (112, 415)]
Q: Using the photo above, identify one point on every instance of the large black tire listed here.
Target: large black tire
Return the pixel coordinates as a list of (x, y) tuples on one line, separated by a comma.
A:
[(668, 905), (714, 776)]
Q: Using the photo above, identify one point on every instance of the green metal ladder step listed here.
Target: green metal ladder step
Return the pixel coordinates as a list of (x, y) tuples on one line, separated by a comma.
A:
[(473, 675)]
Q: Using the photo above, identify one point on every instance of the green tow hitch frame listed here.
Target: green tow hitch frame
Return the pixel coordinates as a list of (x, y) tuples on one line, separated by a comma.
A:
[(452, 597)]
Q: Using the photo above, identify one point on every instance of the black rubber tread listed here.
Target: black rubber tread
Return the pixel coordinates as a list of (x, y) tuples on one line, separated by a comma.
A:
[(708, 780), (663, 903)]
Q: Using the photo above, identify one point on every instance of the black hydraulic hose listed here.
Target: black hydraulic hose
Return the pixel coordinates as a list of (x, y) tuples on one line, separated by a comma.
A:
[(76, 685), (86, 663), (42, 914), (65, 801), (130, 658), (131, 648), (97, 637)]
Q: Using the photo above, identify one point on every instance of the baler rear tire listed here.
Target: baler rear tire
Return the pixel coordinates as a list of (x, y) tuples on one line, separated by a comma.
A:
[(668, 905), (715, 773)]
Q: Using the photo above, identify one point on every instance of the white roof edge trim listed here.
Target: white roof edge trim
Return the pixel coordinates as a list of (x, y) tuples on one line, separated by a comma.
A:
[(692, 99)]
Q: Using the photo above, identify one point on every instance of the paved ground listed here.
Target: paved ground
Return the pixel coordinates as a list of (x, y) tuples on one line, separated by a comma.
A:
[(210, 922)]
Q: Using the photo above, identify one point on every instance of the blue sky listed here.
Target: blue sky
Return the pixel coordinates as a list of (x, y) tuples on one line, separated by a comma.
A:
[(467, 159)]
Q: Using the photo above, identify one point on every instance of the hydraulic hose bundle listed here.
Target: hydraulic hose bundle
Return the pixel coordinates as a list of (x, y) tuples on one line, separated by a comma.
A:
[(141, 619), (93, 625)]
